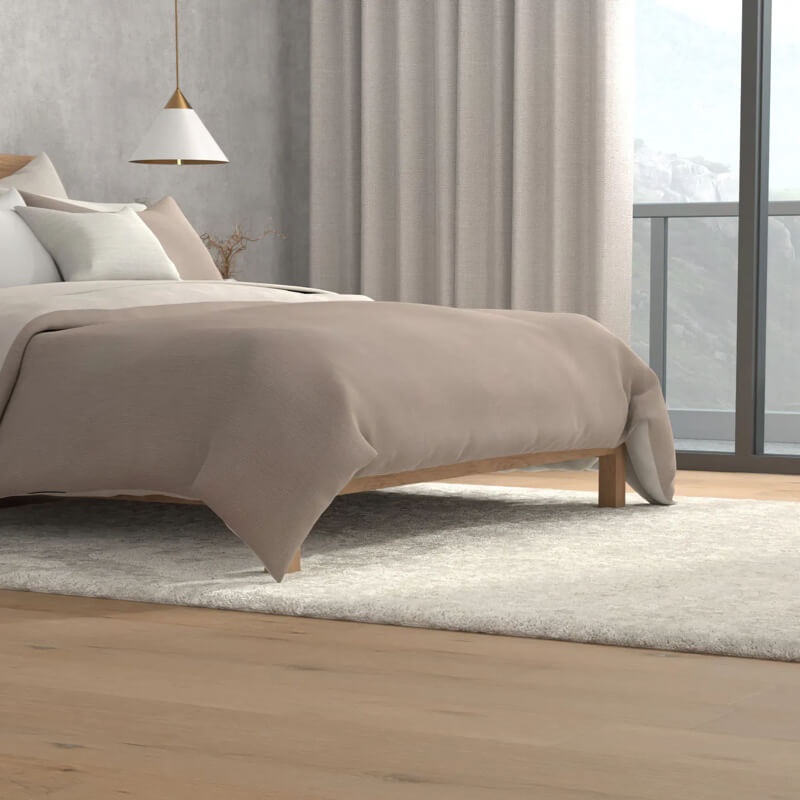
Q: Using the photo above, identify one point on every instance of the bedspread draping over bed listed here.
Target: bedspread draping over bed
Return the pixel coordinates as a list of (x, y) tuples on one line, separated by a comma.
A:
[(265, 409)]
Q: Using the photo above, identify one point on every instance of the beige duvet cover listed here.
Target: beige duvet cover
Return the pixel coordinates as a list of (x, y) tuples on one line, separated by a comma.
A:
[(265, 404)]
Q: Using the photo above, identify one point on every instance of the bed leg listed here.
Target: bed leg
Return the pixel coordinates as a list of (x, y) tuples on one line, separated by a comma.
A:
[(611, 492), (294, 566)]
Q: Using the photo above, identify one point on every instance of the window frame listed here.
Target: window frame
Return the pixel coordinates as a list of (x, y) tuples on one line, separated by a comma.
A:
[(753, 211)]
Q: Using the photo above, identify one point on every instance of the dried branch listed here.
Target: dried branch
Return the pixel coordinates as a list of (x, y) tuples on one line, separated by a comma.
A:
[(224, 251)]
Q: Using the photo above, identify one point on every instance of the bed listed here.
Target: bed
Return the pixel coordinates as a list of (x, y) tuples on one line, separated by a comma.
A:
[(266, 402)]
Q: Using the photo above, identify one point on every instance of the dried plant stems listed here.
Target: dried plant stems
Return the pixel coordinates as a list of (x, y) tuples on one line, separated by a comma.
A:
[(224, 251)]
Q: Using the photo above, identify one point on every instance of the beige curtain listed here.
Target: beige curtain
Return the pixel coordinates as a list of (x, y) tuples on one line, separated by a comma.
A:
[(474, 153)]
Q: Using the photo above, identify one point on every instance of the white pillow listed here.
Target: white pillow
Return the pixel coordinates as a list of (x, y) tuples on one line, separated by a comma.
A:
[(38, 175), (100, 246), (23, 260), (60, 204)]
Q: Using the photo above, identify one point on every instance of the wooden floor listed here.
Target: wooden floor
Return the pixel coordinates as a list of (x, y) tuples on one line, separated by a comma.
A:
[(102, 699)]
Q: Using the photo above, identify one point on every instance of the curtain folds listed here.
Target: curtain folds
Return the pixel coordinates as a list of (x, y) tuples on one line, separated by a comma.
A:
[(474, 153)]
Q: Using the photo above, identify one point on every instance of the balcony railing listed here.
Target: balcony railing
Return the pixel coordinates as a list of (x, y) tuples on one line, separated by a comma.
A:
[(693, 424)]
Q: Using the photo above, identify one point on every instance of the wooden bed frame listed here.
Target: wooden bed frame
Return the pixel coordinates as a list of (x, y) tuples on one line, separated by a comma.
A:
[(10, 164), (611, 489)]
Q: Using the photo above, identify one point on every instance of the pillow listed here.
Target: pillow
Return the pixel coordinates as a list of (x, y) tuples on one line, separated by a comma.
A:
[(23, 259), (38, 175), (58, 204), (100, 246), (177, 236)]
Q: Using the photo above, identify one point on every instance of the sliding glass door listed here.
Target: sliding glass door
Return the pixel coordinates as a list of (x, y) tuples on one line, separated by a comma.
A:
[(782, 364), (686, 184), (716, 284)]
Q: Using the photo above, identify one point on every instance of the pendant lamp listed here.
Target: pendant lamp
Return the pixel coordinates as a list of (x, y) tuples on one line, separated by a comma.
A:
[(178, 136)]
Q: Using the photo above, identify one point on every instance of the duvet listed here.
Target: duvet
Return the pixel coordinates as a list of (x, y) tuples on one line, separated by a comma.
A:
[(264, 403)]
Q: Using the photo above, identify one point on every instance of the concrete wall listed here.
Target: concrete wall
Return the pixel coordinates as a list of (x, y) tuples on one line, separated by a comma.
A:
[(83, 80)]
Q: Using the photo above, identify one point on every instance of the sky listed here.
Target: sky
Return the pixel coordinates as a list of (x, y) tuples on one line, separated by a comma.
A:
[(688, 77), (726, 15)]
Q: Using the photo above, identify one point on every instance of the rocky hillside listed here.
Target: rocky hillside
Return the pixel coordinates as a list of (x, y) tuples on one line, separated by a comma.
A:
[(701, 347)]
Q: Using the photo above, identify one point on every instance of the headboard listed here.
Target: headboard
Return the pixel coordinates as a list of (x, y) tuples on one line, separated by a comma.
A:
[(9, 164)]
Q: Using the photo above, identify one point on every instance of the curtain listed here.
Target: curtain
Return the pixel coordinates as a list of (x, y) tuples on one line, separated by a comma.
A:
[(474, 153)]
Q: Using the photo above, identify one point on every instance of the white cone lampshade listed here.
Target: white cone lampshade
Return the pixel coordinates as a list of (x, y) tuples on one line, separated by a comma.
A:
[(178, 136)]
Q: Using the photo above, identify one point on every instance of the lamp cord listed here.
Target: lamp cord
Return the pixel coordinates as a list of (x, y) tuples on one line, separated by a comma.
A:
[(177, 68)]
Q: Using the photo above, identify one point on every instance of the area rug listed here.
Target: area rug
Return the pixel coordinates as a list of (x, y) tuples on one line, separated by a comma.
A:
[(704, 575)]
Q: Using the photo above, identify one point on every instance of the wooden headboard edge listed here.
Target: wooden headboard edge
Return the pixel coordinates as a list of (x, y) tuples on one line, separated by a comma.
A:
[(11, 163)]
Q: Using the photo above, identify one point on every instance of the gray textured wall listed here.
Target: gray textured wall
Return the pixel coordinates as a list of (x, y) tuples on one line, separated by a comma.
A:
[(83, 80)]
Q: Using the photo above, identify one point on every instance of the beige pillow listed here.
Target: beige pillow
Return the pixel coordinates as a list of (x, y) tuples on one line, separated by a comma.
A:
[(59, 204), (38, 175), (177, 236)]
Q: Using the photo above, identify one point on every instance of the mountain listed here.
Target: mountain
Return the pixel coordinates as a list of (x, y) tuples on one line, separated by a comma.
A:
[(702, 287), (668, 178)]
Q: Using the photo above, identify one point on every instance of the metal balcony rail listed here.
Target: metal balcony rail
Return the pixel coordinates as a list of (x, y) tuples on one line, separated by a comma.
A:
[(718, 424)]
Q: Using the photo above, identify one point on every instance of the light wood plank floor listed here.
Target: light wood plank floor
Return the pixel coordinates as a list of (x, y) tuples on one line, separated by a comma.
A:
[(102, 699)]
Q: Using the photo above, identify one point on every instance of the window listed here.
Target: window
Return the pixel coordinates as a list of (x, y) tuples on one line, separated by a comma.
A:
[(719, 324), (686, 111), (782, 376), (686, 152)]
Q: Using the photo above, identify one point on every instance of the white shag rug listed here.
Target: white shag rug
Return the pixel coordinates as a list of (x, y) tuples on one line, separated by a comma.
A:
[(705, 575)]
